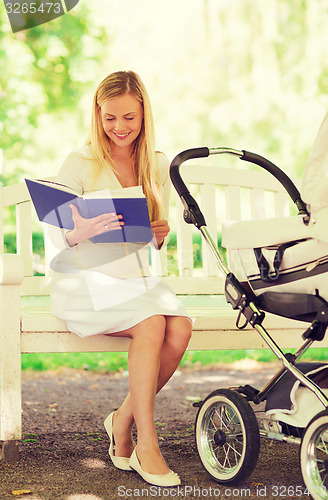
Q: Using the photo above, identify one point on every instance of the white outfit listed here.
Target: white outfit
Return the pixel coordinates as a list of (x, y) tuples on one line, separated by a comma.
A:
[(105, 287)]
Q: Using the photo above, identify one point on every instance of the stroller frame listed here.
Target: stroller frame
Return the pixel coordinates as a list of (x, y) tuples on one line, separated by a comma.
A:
[(232, 403)]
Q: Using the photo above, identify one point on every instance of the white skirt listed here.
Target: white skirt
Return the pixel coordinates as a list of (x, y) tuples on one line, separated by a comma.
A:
[(92, 303)]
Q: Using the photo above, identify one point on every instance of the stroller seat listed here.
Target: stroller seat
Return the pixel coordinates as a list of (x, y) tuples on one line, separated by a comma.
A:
[(283, 265), (277, 255), (262, 232)]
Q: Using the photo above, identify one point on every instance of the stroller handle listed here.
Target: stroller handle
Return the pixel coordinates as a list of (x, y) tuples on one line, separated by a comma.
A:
[(188, 154), (204, 152), (280, 176)]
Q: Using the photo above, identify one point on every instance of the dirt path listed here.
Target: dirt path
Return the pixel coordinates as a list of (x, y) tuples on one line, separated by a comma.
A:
[(64, 454)]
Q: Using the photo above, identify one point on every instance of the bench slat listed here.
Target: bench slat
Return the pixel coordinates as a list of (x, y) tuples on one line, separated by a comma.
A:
[(184, 242), (197, 285), (233, 204), (207, 191), (201, 340), (24, 235), (223, 176), (40, 319)]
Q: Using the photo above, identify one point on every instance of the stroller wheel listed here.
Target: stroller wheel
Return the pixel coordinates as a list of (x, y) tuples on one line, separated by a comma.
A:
[(314, 456), (227, 436)]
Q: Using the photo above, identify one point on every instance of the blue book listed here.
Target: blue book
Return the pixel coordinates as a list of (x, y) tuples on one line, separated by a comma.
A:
[(52, 204)]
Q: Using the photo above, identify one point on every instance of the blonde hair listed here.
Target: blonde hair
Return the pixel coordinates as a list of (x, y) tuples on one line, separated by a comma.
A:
[(143, 152)]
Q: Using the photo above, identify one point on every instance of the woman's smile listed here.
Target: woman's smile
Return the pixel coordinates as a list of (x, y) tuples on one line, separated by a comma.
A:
[(122, 136)]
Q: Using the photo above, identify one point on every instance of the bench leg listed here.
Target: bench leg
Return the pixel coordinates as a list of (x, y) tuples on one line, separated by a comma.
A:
[(10, 372), (9, 451)]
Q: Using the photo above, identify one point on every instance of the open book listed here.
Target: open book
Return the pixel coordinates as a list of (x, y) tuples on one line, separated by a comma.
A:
[(52, 204)]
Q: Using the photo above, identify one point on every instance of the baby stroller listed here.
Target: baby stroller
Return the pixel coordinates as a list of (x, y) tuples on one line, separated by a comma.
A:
[(285, 275)]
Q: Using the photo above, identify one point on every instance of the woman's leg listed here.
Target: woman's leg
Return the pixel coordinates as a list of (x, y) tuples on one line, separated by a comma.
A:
[(177, 332), (177, 335), (144, 363)]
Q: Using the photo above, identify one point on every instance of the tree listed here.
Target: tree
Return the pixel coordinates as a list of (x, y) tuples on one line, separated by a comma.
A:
[(43, 70)]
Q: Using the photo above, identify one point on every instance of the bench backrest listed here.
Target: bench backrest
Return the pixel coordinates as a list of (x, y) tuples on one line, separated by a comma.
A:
[(222, 194)]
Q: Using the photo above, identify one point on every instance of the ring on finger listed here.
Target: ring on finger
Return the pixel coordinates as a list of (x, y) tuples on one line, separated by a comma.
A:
[(106, 227)]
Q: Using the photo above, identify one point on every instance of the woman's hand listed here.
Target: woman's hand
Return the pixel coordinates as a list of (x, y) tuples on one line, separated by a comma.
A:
[(160, 229), (87, 228)]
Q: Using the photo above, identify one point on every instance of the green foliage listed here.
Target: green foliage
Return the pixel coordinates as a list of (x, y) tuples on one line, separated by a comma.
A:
[(99, 362), (10, 242), (43, 70), (65, 53), (248, 75), (117, 362), (251, 75), (37, 242)]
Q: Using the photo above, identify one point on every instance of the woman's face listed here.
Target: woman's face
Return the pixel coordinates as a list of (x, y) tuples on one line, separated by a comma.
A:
[(122, 119)]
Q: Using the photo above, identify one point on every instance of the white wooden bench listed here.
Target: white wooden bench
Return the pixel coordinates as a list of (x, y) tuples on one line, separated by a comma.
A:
[(27, 325)]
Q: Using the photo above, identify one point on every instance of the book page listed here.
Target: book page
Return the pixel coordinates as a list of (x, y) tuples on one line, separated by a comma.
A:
[(55, 185), (130, 192)]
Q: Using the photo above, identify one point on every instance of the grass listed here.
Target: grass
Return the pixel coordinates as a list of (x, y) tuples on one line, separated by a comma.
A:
[(117, 362), (93, 361)]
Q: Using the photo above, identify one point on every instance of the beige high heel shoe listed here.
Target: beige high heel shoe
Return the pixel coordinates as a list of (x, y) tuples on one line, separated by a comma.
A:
[(119, 462), (169, 479)]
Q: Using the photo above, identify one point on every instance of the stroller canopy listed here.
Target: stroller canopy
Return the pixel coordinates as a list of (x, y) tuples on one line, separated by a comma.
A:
[(315, 182), (287, 254)]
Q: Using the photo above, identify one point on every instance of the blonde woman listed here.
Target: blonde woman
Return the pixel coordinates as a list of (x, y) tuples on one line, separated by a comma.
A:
[(96, 287)]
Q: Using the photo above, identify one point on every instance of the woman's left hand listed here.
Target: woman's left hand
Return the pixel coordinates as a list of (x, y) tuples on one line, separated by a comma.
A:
[(160, 229)]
